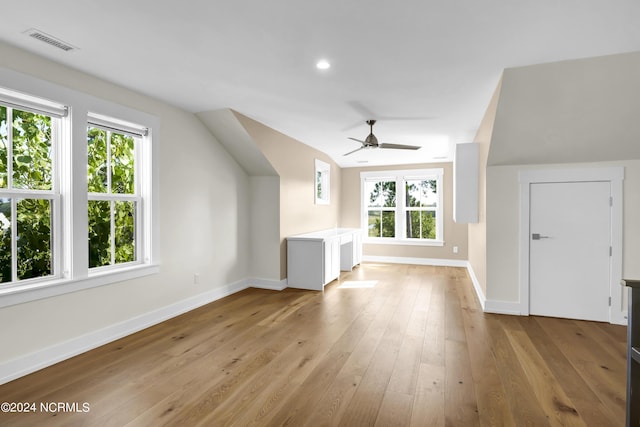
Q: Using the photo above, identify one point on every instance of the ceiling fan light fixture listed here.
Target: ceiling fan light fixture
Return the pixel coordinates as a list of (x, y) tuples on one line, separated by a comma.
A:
[(371, 142)]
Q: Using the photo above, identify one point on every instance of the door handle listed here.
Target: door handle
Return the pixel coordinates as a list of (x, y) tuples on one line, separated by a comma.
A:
[(537, 236)]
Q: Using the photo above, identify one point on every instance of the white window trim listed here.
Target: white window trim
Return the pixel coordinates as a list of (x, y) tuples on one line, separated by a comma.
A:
[(399, 176), (74, 271)]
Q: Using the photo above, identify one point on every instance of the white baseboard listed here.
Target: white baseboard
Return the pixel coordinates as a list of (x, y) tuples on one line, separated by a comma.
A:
[(492, 306), (40, 359), (503, 307), (416, 261), (476, 286), (274, 285)]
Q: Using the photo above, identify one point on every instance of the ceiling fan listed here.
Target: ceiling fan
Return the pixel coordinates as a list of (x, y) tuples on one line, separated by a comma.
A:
[(372, 142)]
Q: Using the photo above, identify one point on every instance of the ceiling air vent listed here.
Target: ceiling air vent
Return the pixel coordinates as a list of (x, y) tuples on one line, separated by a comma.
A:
[(46, 38)]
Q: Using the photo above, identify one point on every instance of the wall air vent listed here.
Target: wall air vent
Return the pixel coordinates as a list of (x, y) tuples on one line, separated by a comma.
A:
[(46, 38)]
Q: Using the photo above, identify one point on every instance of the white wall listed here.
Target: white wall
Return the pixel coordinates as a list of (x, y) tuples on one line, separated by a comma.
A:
[(265, 227), (575, 111), (205, 200)]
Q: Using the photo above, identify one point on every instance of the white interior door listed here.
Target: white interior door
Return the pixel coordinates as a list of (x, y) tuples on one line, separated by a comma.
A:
[(569, 250)]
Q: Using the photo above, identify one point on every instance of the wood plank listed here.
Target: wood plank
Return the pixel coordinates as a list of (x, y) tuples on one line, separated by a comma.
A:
[(493, 407), (524, 406), (433, 345), (395, 410), (460, 407), (551, 396), (605, 376), (585, 401), (429, 399)]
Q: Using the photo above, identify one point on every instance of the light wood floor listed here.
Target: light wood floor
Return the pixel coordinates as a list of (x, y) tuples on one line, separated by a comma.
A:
[(414, 350)]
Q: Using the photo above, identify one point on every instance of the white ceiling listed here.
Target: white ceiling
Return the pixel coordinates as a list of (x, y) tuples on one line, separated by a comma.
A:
[(426, 69)]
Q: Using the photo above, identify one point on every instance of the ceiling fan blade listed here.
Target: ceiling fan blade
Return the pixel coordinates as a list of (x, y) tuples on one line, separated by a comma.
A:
[(360, 108), (364, 112), (357, 140), (400, 146), (357, 149)]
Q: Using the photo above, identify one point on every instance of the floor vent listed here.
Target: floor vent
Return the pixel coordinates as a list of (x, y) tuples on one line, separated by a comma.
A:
[(46, 38)]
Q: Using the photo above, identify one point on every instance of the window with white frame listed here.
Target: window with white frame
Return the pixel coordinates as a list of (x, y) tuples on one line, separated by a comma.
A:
[(380, 202), (29, 190), (43, 201), (113, 191), (402, 206)]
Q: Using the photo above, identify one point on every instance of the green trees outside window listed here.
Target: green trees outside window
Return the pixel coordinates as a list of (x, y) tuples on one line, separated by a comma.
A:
[(26, 196), (68, 172), (381, 208), (112, 200), (421, 201)]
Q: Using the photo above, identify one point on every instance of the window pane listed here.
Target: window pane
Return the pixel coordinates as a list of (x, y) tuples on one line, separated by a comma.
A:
[(4, 134), (388, 224), (381, 193), (374, 223), (34, 238), (429, 196), (97, 160), (122, 159), (99, 233), (31, 151), (421, 193), (125, 232), (428, 226), (319, 185), (421, 225), (412, 193), (5, 240), (413, 224)]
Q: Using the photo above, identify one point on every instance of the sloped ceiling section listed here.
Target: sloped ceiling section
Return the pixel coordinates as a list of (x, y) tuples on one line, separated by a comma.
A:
[(566, 112), (226, 128)]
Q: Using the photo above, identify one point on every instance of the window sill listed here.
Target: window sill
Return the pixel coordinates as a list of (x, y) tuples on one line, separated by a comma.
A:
[(50, 288), (402, 242)]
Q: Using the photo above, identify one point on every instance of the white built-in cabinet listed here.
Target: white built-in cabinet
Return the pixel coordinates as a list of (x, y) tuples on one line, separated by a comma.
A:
[(465, 183), (315, 259)]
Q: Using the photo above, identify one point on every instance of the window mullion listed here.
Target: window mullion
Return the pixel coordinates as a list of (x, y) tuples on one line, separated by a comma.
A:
[(112, 229), (55, 204), (108, 162), (138, 231), (14, 240), (9, 148), (14, 211), (400, 207)]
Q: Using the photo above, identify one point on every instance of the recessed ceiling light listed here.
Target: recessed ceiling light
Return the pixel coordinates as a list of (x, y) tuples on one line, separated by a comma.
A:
[(323, 64)]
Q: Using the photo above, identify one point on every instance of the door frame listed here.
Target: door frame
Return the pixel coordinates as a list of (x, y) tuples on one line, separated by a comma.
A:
[(613, 175)]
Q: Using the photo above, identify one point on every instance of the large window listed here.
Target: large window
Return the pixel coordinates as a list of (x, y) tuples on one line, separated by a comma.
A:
[(48, 208), (403, 206)]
